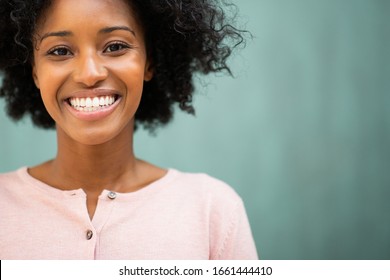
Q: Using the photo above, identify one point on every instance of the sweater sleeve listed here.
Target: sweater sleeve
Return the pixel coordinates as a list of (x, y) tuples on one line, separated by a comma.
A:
[(238, 243)]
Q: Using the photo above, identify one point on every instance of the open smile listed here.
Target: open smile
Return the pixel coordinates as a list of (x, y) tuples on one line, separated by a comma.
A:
[(91, 104), (92, 108)]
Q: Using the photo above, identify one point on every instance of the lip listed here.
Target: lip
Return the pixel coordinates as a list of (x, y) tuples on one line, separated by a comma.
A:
[(94, 115)]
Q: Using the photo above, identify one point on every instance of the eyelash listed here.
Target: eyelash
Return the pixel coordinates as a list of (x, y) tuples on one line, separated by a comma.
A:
[(122, 46), (53, 50)]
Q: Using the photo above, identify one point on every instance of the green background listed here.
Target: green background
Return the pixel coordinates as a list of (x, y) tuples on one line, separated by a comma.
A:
[(301, 132)]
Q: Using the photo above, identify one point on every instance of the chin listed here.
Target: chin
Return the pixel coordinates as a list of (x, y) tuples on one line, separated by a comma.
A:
[(94, 136)]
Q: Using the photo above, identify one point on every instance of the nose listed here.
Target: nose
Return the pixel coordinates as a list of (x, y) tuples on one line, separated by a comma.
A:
[(90, 70)]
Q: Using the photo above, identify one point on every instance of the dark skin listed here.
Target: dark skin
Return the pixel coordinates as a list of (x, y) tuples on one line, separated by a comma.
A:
[(80, 55), (98, 167)]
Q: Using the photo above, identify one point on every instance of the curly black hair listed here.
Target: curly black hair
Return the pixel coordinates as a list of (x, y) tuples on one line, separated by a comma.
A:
[(182, 37)]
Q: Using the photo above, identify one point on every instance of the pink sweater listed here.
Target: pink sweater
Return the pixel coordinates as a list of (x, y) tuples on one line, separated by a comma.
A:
[(180, 216)]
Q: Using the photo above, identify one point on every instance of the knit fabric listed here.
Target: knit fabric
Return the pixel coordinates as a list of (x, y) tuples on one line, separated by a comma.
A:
[(180, 216)]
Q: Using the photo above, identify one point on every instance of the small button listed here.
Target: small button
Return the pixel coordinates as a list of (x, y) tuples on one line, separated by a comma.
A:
[(89, 234), (111, 195)]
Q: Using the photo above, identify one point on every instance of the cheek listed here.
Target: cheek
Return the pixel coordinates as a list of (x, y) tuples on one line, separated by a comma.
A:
[(50, 78), (48, 89), (132, 70), (131, 75), (50, 82)]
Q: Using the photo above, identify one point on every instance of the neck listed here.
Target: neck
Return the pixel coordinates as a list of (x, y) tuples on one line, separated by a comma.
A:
[(94, 167)]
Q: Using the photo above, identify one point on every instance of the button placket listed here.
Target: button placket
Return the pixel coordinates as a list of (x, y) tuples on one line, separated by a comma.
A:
[(102, 213)]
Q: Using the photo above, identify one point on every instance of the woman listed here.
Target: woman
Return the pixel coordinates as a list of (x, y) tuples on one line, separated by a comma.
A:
[(94, 70)]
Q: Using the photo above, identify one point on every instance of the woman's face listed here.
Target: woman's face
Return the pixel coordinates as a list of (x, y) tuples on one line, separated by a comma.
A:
[(90, 63)]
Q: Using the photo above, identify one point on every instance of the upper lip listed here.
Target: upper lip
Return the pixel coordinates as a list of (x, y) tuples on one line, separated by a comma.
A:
[(91, 93)]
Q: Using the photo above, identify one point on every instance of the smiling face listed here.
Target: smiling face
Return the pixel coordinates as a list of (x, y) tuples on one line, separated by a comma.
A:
[(90, 63)]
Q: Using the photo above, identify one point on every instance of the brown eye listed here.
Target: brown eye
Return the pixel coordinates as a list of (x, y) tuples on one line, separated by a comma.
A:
[(116, 47), (60, 52)]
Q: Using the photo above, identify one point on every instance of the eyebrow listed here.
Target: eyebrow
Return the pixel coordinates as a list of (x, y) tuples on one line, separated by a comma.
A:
[(56, 34), (105, 30), (114, 28)]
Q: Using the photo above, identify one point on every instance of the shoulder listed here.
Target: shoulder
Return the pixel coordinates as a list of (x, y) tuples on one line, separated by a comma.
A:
[(10, 177), (202, 191), (11, 181), (222, 208), (12, 189), (204, 185)]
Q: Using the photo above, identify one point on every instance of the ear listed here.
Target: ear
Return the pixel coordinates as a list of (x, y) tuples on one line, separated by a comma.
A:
[(35, 77), (148, 75)]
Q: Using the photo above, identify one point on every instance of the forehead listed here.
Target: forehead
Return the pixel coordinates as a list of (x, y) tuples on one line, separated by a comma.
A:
[(86, 14)]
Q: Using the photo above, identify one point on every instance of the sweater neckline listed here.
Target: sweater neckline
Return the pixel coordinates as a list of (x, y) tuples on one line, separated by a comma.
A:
[(43, 187)]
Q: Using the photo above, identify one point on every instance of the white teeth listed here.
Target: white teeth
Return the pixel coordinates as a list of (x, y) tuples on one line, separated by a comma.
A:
[(88, 102), (91, 104), (95, 101)]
